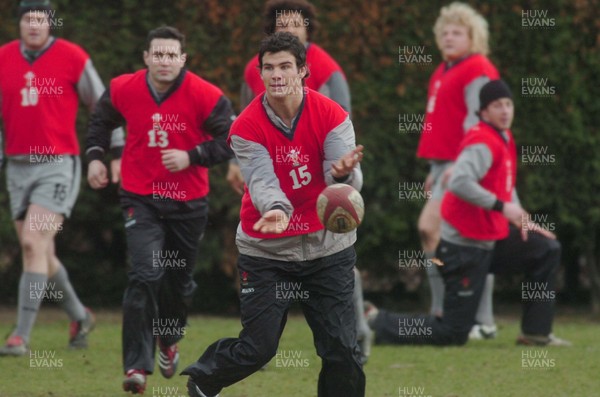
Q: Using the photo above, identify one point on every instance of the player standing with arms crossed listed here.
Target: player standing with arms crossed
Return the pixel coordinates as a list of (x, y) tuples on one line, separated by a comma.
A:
[(452, 102), (280, 237), (327, 77), (177, 125), (41, 79)]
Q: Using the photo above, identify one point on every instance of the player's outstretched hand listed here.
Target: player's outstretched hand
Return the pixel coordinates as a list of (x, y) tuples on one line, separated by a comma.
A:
[(97, 175), (235, 178), (175, 160), (346, 164), (273, 221), (115, 170)]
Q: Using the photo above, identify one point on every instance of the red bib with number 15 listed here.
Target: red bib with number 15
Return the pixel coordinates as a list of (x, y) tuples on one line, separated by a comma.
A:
[(297, 160)]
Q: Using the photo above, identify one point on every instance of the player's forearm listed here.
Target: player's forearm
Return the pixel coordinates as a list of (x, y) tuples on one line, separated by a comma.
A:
[(340, 141), (103, 121), (470, 167), (220, 119), (210, 153), (217, 125), (257, 168)]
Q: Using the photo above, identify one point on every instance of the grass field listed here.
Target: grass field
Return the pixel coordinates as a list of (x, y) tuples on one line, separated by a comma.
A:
[(483, 368)]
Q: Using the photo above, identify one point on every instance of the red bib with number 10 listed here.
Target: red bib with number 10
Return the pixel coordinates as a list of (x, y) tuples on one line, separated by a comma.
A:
[(297, 160), (39, 100)]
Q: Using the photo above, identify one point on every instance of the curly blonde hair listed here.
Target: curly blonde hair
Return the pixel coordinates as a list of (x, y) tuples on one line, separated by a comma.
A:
[(464, 15)]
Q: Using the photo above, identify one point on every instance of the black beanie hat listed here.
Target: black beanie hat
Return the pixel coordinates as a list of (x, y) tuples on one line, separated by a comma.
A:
[(33, 5), (491, 91)]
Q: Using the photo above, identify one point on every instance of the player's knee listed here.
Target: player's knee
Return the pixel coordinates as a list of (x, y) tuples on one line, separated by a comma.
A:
[(270, 349), (550, 253), (337, 349), (263, 358), (142, 273), (139, 293), (257, 350), (262, 354), (130, 304), (32, 245), (551, 256), (553, 247)]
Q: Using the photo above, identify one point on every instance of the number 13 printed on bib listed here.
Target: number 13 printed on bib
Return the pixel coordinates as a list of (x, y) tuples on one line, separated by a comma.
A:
[(157, 137)]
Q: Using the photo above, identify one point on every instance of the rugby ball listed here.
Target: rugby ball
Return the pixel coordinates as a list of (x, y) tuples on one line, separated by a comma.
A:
[(340, 208)]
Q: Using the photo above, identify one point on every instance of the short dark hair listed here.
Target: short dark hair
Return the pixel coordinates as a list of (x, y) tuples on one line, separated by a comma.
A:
[(165, 32), (306, 9), (284, 41)]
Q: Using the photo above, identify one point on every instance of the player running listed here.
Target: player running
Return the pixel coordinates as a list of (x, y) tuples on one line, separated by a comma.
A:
[(280, 237), (41, 79), (177, 125)]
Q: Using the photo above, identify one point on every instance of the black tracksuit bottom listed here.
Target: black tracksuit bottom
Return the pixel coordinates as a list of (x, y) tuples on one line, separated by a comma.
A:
[(325, 287), (162, 244), (464, 272)]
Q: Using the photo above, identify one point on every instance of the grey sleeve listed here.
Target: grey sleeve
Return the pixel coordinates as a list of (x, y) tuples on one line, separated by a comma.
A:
[(339, 142), (472, 101), (470, 167), (257, 168), (104, 119), (246, 96), (90, 88), (336, 88)]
